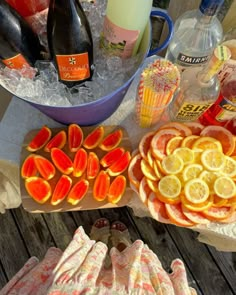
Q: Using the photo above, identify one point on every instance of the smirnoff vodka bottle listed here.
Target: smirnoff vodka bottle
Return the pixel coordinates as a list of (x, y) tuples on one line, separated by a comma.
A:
[(196, 35)]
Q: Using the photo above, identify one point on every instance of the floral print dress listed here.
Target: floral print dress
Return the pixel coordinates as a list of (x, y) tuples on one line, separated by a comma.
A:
[(80, 269)]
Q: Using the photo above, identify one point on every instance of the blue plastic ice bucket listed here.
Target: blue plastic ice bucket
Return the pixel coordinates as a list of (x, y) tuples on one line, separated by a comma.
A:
[(97, 111)]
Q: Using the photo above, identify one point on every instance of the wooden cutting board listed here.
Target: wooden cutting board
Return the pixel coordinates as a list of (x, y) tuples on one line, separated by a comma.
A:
[(88, 202)]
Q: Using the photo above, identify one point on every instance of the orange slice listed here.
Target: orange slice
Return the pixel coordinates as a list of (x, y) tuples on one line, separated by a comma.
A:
[(135, 173), (207, 142), (94, 138), (111, 157), (195, 127), (116, 189), (145, 143), (196, 207), (147, 170), (28, 168), (80, 162), (38, 188), (219, 202), (120, 165), (144, 190), (78, 192), (75, 137), (153, 185), (173, 143), (166, 200), (58, 141), (93, 165), (112, 140), (40, 139), (176, 215), (157, 209), (182, 128), (189, 140), (223, 135), (101, 186), (44, 167), (61, 161), (160, 140), (61, 190)]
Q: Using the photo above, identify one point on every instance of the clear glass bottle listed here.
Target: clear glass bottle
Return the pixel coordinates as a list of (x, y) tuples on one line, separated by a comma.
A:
[(196, 35), (198, 89)]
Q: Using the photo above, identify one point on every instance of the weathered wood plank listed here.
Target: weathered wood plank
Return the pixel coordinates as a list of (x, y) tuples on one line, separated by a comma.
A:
[(34, 231), (198, 259), (155, 235), (3, 278), (86, 218), (13, 253), (226, 261), (61, 226)]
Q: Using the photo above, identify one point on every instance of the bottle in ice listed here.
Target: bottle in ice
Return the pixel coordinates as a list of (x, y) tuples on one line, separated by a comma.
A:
[(19, 45), (224, 109), (198, 89), (70, 41), (196, 35)]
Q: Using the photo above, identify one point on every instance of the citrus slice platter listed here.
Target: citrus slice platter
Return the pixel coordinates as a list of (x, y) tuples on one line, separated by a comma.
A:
[(75, 168), (185, 174)]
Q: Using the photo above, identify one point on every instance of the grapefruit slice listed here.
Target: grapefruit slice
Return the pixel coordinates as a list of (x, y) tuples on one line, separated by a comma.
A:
[(195, 217), (157, 209), (61, 190), (112, 140), (40, 139), (38, 188), (181, 127), (177, 216), (58, 141), (218, 213), (145, 143), (75, 137), (221, 134), (195, 127), (135, 173), (160, 140)]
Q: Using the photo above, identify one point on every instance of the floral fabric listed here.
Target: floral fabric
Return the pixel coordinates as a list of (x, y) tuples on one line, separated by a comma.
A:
[(80, 269)]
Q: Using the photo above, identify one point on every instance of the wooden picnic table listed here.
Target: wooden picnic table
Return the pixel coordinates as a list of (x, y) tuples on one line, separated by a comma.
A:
[(24, 234)]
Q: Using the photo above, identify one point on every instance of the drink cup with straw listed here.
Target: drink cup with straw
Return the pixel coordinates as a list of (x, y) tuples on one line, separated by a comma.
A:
[(158, 83)]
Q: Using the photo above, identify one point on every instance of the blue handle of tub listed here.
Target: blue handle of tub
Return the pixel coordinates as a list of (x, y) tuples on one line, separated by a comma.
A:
[(170, 24)]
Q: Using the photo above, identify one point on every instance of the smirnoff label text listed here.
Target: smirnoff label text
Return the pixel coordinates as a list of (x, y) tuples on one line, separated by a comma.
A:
[(192, 60)]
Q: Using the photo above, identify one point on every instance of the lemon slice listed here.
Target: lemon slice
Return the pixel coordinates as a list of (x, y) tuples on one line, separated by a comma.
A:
[(224, 187), (186, 154), (213, 160), (209, 177), (170, 186), (172, 164), (229, 168), (192, 171), (197, 153), (196, 191)]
